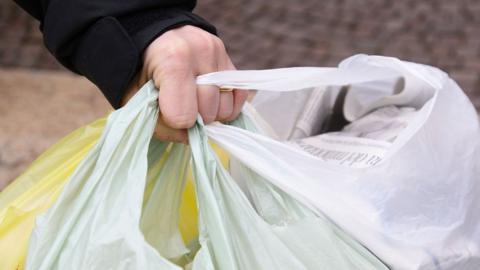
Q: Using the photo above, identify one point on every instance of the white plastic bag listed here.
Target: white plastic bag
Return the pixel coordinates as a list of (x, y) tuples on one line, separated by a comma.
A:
[(415, 204), (235, 236)]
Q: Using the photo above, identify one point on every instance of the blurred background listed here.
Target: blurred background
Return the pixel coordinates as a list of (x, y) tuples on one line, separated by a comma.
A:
[(40, 101)]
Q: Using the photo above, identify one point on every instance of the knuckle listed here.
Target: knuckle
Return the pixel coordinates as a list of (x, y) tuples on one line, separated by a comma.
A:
[(205, 44), (176, 49), (219, 44), (206, 48)]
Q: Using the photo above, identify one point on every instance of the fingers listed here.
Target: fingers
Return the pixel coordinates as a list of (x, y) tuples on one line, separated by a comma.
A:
[(177, 97), (168, 61), (208, 97), (173, 61), (178, 106), (225, 107), (239, 98)]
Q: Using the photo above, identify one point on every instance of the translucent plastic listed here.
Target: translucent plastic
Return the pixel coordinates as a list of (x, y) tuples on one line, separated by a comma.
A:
[(34, 192), (36, 189), (416, 209), (120, 210)]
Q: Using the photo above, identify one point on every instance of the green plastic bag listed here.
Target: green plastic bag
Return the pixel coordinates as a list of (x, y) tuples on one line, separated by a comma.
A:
[(120, 210)]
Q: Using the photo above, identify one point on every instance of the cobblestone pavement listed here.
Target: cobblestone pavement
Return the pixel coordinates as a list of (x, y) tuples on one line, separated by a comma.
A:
[(267, 34)]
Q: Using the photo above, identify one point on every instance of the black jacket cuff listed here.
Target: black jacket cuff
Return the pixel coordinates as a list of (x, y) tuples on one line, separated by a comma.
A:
[(109, 53), (145, 26)]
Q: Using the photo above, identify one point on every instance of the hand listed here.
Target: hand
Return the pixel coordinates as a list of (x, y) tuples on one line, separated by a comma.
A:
[(173, 61)]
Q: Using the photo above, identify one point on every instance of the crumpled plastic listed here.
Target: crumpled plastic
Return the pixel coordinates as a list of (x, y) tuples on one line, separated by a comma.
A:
[(119, 210)]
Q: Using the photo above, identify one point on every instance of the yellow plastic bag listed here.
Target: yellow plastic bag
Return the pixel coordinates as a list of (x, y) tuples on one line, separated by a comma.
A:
[(36, 189)]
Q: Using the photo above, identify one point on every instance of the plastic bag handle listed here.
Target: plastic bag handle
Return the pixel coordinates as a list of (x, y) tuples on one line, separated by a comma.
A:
[(297, 78)]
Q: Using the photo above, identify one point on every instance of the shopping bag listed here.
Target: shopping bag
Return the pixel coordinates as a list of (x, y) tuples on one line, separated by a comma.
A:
[(119, 210), (411, 199), (33, 192), (36, 189), (235, 235), (63, 230)]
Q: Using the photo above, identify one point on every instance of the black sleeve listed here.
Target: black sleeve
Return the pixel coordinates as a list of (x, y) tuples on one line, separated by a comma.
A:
[(104, 39)]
